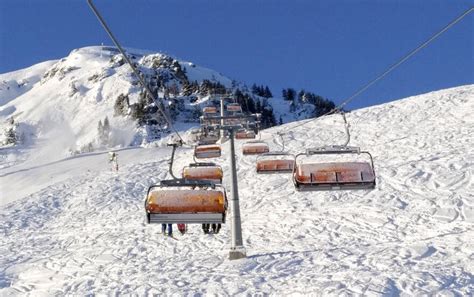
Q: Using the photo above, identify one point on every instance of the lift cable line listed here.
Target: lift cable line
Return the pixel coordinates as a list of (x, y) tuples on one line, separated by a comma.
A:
[(134, 69), (390, 69)]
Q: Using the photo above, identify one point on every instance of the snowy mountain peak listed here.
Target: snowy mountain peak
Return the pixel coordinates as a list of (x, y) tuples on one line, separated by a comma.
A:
[(74, 93)]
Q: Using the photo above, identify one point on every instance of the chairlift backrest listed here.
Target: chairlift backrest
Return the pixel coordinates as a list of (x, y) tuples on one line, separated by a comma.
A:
[(203, 172), (255, 147), (207, 151), (275, 162), (334, 175)]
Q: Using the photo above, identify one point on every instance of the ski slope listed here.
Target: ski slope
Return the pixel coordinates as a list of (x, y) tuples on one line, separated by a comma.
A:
[(83, 230)]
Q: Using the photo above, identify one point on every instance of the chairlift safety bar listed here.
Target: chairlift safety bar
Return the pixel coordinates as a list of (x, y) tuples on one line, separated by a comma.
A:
[(333, 149), (181, 182)]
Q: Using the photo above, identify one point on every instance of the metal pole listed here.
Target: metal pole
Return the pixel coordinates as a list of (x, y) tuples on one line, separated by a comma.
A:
[(222, 131), (237, 250)]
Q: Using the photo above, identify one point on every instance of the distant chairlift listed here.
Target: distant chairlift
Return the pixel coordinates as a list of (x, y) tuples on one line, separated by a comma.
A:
[(255, 147), (234, 108), (203, 171), (203, 151), (209, 110), (245, 134), (276, 162), (208, 138)]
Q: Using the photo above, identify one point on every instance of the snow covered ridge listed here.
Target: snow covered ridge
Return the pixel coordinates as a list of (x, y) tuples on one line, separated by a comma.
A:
[(75, 227), (69, 97), (74, 98)]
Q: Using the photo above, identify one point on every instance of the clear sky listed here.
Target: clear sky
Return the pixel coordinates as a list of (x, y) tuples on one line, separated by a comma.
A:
[(331, 48)]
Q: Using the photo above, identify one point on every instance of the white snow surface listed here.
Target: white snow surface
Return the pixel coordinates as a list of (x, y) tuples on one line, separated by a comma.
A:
[(75, 227)]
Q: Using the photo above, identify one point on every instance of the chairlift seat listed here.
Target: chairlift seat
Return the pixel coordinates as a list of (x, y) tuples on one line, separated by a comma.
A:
[(209, 109), (207, 151), (212, 173), (208, 139), (255, 148), (339, 175), (169, 205), (234, 107), (246, 134), (275, 166)]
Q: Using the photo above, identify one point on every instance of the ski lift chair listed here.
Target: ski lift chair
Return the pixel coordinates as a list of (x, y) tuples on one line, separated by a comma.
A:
[(334, 175), (180, 201), (207, 151), (203, 171), (208, 139), (245, 134), (275, 162), (209, 110), (255, 147), (234, 107)]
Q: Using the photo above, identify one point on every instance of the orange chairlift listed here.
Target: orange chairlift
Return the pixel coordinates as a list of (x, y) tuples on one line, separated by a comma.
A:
[(234, 108), (202, 151), (276, 162), (255, 147), (210, 110), (349, 173), (184, 201), (203, 171), (245, 134), (207, 137)]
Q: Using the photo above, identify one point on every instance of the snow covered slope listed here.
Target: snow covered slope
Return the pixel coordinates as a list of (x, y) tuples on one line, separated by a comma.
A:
[(61, 102), (16, 83), (83, 231)]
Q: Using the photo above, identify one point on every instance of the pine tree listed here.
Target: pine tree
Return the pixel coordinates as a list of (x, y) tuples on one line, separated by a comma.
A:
[(301, 95), (267, 92), (254, 89), (121, 105), (100, 128), (258, 106), (284, 94), (10, 136), (106, 125), (291, 93)]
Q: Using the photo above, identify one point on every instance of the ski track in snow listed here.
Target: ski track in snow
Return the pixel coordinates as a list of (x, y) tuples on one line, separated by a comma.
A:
[(412, 235)]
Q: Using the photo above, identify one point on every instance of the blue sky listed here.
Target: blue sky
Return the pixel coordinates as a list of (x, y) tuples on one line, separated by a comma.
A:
[(331, 48)]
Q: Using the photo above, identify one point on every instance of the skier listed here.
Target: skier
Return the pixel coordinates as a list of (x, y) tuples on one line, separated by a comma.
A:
[(170, 229), (205, 228), (216, 228), (113, 159), (182, 228)]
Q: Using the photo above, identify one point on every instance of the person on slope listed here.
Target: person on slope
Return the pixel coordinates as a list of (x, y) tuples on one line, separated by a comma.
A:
[(215, 228), (182, 228), (170, 229)]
